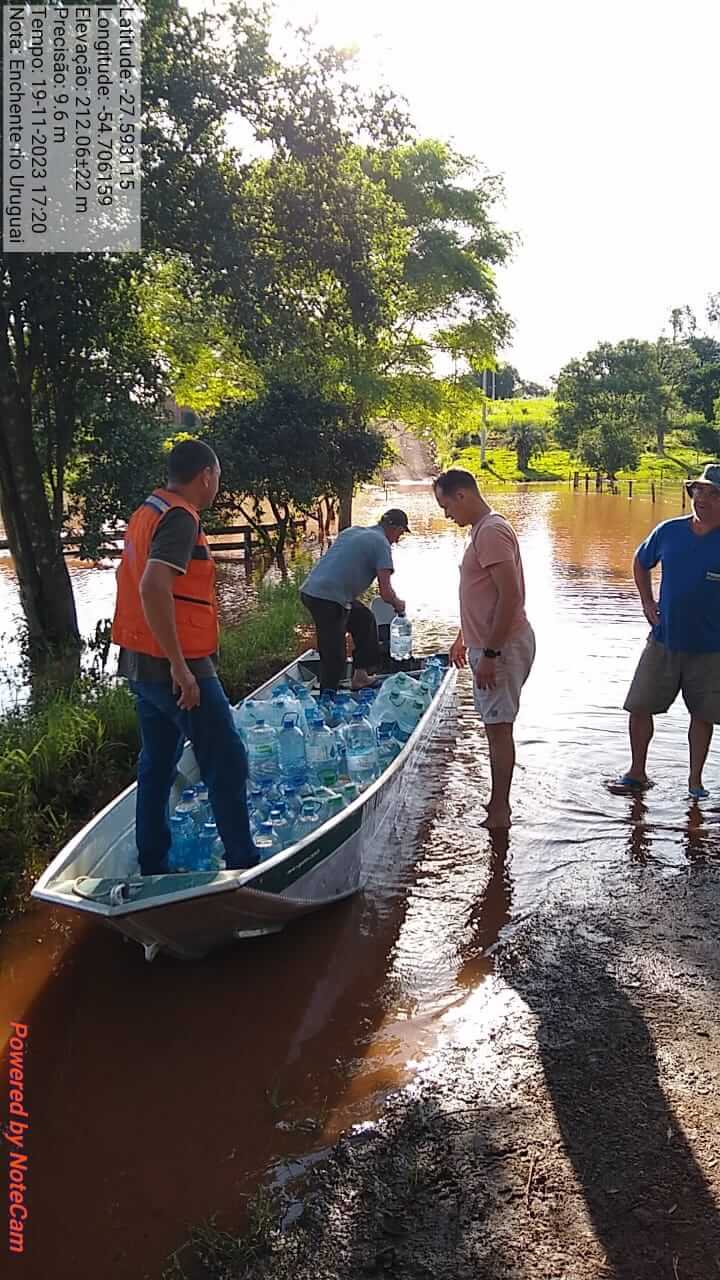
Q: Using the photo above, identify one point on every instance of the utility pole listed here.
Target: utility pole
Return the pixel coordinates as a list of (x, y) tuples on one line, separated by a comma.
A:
[(484, 427)]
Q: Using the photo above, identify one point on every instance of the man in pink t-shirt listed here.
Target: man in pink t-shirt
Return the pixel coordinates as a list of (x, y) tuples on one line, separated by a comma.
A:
[(494, 631)]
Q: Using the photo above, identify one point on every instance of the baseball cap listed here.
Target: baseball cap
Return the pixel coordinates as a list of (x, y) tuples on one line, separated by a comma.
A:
[(397, 519), (710, 475)]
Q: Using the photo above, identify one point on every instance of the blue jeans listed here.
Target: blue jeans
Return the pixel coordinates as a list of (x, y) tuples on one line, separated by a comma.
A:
[(223, 766)]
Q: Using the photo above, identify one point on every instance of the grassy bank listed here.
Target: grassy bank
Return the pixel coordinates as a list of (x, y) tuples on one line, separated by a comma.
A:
[(61, 759), (678, 461), (540, 411)]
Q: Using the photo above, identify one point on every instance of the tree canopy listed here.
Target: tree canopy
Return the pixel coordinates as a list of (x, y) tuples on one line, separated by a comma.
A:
[(322, 266)]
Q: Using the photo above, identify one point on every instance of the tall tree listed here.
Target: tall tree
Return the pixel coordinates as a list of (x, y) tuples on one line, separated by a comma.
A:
[(620, 382), (288, 449), (68, 331), (701, 385), (528, 439)]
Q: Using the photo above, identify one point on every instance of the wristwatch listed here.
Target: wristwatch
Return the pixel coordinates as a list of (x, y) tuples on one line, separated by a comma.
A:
[(491, 653)]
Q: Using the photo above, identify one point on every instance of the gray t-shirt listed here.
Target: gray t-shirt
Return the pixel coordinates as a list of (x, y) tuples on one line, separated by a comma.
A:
[(351, 564), (172, 543)]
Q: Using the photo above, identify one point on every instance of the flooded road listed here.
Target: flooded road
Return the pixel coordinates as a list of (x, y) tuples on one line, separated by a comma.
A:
[(162, 1094)]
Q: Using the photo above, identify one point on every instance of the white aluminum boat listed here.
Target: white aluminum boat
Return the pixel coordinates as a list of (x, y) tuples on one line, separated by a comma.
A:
[(187, 914)]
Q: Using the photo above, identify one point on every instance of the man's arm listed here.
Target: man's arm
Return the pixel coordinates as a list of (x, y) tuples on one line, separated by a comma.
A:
[(159, 609), (643, 582), (386, 592)]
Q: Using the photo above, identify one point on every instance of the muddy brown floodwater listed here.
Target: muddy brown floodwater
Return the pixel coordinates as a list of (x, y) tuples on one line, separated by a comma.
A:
[(163, 1094)]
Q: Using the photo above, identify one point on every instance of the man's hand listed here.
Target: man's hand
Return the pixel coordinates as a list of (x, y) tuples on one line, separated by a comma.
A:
[(651, 611), (486, 673), (457, 653), (184, 680), (400, 606)]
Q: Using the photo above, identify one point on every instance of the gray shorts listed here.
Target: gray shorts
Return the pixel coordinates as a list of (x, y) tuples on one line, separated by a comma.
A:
[(664, 673), (501, 704)]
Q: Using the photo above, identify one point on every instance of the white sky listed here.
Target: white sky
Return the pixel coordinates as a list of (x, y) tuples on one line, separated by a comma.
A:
[(603, 119)]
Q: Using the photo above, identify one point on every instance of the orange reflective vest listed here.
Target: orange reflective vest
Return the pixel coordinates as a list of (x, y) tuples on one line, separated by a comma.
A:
[(196, 613)]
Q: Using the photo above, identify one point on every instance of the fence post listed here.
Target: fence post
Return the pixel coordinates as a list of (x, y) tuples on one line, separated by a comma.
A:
[(683, 497), (598, 482), (652, 489), (247, 545), (576, 479), (630, 484), (587, 481)]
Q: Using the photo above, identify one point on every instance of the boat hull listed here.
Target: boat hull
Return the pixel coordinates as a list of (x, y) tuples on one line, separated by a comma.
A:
[(214, 910)]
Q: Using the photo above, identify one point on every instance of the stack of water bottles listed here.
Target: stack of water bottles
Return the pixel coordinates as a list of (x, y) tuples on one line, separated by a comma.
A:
[(194, 841), (309, 757)]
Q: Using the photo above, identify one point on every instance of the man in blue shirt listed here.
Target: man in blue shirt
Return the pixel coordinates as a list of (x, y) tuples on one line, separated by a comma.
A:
[(329, 592), (682, 654)]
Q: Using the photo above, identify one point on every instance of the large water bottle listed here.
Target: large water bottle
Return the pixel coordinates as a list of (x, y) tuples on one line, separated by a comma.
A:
[(262, 749), (304, 696), (292, 754), (257, 803), (388, 746), (247, 715), (361, 749), (409, 714), (183, 843), (203, 812), (284, 703), (210, 849), (387, 708), (308, 819), (423, 693), (265, 840), (401, 682), (188, 803), (339, 733), (345, 706), (332, 713), (366, 697), (322, 753), (291, 798), (433, 673), (400, 638), (281, 825)]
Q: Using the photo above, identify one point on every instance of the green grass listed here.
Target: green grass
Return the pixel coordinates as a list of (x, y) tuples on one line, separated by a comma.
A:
[(268, 638), (67, 753), (502, 412), (679, 461)]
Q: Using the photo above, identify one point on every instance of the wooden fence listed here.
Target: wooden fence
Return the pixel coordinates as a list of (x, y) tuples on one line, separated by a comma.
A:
[(603, 485), (248, 540)]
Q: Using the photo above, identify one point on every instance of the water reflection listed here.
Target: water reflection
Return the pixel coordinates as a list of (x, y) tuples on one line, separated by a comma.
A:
[(338, 1008)]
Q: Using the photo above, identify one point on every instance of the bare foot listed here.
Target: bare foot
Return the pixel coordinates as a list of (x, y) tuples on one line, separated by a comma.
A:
[(497, 818)]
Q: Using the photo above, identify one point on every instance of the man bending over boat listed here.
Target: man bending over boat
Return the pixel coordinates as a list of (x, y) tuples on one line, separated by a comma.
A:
[(329, 592), (166, 623), (494, 630)]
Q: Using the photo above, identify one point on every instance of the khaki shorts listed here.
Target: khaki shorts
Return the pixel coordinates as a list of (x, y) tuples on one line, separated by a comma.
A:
[(501, 704), (664, 673)]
